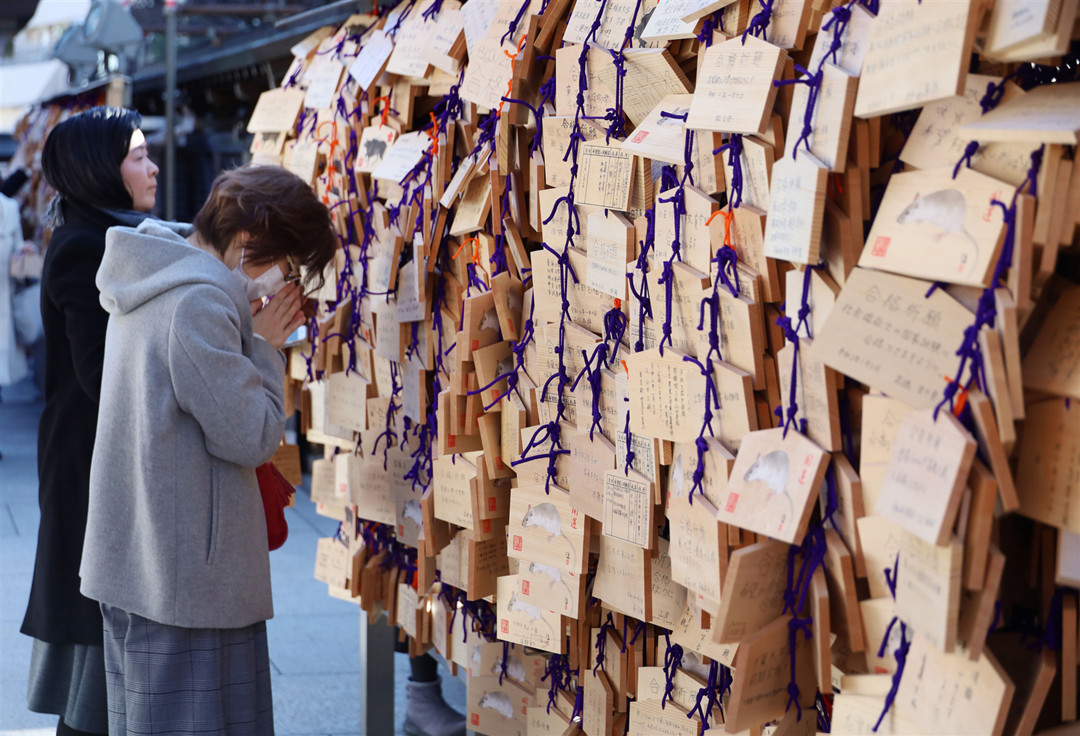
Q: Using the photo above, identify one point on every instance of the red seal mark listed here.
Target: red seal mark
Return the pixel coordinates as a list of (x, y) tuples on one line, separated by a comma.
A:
[(517, 542), (491, 503), (476, 719), (487, 526), (524, 587), (451, 441), (504, 626), (475, 344), (881, 246), (640, 136), (732, 502)]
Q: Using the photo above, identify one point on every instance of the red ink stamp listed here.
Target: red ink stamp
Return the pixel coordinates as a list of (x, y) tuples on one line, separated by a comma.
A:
[(451, 441), (640, 136), (475, 344), (476, 716), (504, 625), (487, 526), (524, 587), (491, 503), (517, 542), (881, 246), (732, 502)]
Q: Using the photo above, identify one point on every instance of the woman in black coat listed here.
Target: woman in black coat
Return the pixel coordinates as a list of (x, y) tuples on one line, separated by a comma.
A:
[(97, 162)]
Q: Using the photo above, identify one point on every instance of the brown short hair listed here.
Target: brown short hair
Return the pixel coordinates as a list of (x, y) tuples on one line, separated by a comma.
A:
[(281, 214)]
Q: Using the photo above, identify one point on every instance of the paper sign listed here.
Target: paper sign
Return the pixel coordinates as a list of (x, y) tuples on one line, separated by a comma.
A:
[(885, 332), (917, 53), (774, 484), (925, 477), (735, 91), (603, 175), (628, 505)]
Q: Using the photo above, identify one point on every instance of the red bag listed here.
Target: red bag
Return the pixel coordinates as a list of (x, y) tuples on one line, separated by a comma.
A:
[(276, 495)]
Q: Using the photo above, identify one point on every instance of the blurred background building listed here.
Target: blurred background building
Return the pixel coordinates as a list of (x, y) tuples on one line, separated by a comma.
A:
[(64, 55)]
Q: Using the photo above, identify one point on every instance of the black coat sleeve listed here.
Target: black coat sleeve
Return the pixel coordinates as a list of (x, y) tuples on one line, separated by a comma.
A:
[(70, 285)]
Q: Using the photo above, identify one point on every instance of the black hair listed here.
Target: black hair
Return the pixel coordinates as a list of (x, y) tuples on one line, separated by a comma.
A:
[(82, 156)]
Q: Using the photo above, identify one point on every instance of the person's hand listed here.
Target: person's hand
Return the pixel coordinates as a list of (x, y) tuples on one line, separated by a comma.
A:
[(280, 317)]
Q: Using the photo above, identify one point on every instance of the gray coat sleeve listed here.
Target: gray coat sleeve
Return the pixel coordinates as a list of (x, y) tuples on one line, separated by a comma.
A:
[(238, 400)]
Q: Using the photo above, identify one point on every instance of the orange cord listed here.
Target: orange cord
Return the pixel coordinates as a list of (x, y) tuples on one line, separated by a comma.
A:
[(961, 400), (510, 85), (728, 216)]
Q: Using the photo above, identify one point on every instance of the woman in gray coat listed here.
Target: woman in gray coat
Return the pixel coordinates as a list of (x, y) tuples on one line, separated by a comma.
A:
[(192, 400)]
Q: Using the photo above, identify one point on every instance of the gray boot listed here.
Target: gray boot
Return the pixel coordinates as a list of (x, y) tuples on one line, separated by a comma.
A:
[(427, 714)]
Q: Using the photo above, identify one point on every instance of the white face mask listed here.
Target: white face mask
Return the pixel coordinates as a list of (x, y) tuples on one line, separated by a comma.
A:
[(266, 284)]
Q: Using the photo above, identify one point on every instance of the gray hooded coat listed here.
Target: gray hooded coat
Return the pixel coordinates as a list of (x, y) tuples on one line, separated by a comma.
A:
[(191, 402)]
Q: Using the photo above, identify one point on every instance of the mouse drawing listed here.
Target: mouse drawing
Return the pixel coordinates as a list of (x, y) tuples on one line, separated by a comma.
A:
[(498, 702), (945, 209), (692, 664), (675, 487), (514, 669), (554, 573), (516, 605), (374, 149), (513, 300), (505, 366), (772, 470), (546, 516), (411, 510), (490, 321)]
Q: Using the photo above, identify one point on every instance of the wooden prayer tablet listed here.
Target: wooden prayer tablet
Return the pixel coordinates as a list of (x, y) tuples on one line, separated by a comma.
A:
[(624, 578), (668, 598), (925, 477), (928, 589), (917, 53), (545, 528), (628, 508), (797, 206), (647, 717), (276, 110), (550, 588), (763, 696), (618, 14), (843, 599), (666, 393), (698, 548), (1043, 115), (375, 141), (369, 64), (666, 21), (658, 137), (1052, 364), (932, 226), (937, 137), (610, 253), (599, 703), (1047, 468), (774, 483), (323, 77), (948, 693), (735, 91), (869, 335), (402, 157), (525, 623), (881, 543), (500, 709), (757, 161), (753, 592), (830, 119)]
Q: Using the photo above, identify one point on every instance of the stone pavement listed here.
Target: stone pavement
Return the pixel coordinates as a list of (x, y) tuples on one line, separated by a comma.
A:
[(314, 639)]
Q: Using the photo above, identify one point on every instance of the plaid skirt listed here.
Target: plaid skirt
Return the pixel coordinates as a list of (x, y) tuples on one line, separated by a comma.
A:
[(68, 680), (167, 681)]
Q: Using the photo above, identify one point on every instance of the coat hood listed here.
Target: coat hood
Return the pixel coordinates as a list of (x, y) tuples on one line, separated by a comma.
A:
[(143, 262)]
